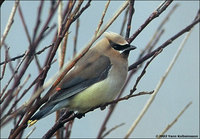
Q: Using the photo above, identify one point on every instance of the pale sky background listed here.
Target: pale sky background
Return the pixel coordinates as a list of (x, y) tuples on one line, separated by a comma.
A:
[(180, 87)]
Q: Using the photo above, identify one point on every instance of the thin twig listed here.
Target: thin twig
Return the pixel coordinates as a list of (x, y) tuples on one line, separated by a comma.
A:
[(38, 63), (102, 17), (155, 41), (155, 14), (167, 17), (60, 59), (160, 83), (64, 48), (22, 71), (10, 22), (16, 70), (158, 30), (124, 22), (166, 43), (131, 12), (60, 8), (24, 24), (112, 129), (38, 21), (28, 135), (76, 37), (17, 100), (21, 109), (57, 42), (142, 73), (82, 10), (10, 63), (49, 30), (174, 121), (68, 129), (4, 67), (20, 56)]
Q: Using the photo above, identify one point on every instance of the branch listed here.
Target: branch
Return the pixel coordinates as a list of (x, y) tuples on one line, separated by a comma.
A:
[(142, 73), (10, 22), (102, 17), (26, 64), (158, 31), (174, 121), (69, 21), (24, 24), (4, 67), (22, 55), (4, 89), (76, 37), (131, 12), (38, 21), (95, 37), (61, 55), (155, 14), (166, 43), (124, 22), (158, 86), (112, 129), (17, 100)]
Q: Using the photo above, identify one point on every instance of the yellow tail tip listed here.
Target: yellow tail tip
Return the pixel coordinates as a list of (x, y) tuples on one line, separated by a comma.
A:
[(31, 122)]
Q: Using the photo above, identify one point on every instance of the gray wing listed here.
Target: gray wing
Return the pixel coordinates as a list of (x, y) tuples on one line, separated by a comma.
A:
[(78, 79)]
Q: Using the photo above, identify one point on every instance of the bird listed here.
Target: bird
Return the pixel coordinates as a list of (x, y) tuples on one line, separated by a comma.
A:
[(95, 79)]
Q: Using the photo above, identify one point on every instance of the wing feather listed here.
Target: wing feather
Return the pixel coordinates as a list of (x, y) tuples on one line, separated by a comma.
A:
[(78, 79)]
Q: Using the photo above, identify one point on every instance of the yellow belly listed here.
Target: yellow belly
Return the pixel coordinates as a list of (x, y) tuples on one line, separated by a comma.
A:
[(97, 94)]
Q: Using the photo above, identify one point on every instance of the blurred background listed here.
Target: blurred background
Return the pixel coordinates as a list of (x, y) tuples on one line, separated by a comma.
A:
[(180, 87)]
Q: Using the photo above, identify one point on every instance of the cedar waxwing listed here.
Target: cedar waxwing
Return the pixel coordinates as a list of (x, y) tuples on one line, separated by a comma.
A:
[(96, 78)]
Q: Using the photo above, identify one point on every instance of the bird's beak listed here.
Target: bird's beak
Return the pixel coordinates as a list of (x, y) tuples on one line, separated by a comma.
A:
[(130, 48)]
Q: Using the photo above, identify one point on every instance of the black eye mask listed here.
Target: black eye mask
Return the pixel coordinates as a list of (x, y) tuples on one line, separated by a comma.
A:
[(124, 47), (119, 47)]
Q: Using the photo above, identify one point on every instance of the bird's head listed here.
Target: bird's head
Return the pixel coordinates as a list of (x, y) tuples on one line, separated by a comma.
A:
[(118, 43)]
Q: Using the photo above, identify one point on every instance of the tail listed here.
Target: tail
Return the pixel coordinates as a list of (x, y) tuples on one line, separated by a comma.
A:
[(46, 110), (43, 112)]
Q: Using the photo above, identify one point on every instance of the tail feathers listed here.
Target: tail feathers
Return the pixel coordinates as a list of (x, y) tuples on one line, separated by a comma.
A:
[(46, 110), (41, 114)]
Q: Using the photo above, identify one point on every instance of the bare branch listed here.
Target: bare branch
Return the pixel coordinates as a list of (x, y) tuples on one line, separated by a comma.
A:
[(22, 55), (158, 86), (166, 43), (131, 12), (175, 120), (16, 70), (38, 21), (124, 22), (112, 129), (10, 22), (17, 100), (76, 36), (155, 14), (158, 32), (24, 24), (102, 17), (142, 73), (4, 67), (28, 135)]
